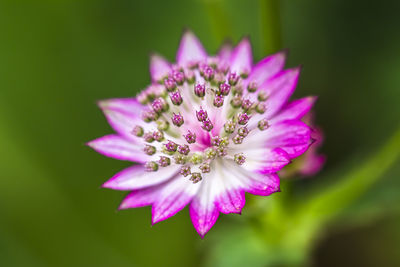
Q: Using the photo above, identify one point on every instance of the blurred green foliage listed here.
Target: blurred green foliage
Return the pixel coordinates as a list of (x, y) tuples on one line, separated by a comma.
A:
[(58, 57)]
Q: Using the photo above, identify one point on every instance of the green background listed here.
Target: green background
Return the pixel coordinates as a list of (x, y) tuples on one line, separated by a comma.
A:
[(57, 58)]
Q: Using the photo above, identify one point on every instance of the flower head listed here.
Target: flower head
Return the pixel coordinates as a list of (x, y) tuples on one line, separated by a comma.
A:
[(233, 128)]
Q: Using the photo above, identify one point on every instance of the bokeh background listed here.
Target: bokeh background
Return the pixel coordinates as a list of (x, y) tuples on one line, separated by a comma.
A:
[(57, 58)]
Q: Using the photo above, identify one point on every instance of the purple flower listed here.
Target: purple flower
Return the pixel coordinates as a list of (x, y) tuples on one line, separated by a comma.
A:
[(191, 167)]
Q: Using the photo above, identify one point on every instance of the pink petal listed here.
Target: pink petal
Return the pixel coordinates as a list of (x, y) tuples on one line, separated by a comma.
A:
[(140, 198), (268, 184), (231, 201), (203, 214), (225, 52), (190, 50), (159, 67), (281, 87), (265, 160), (117, 147), (292, 136), (312, 164), (242, 58), (173, 198), (267, 68), (295, 109), (122, 114), (136, 177)]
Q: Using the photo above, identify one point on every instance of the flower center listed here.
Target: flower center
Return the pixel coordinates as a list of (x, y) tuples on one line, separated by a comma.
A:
[(210, 109)]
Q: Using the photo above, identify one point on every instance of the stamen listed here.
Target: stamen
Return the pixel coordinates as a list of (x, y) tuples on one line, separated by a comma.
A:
[(177, 119), (138, 131), (200, 90), (158, 136), (243, 118), (170, 84), (205, 167), (178, 76), (151, 166), (208, 73), (224, 142), (190, 137), (261, 108), (171, 146), (176, 98), (246, 104), (185, 171), (218, 101), (240, 158), (224, 89), (236, 101), (180, 159), (229, 126), (160, 105), (233, 78), (149, 116), (196, 177), (196, 158), (201, 114), (222, 151), (148, 137), (183, 149), (215, 140), (243, 131), (210, 153), (164, 161), (263, 124), (252, 87), (237, 139), (207, 125), (149, 150)]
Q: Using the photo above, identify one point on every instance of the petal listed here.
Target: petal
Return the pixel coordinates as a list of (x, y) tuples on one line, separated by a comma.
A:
[(114, 146), (265, 160), (172, 198), (136, 177), (312, 164), (159, 67), (203, 213), (281, 87), (242, 58), (295, 109), (231, 201), (225, 52), (122, 114), (190, 50), (140, 198), (267, 68), (292, 136)]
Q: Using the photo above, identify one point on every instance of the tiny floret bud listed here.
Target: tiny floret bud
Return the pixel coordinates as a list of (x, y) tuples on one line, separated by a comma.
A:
[(222, 151), (196, 158), (229, 126), (158, 136), (142, 98), (224, 89), (237, 139), (262, 96), (210, 153), (201, 114), (246, 104), (190, 77), (263, 124), (185, 171), (238, 89), (138, 131), (149, 116), (176, 98), (200, 90), (149, 150), (205, 167), (148, 137), (170, 84), (243, 131), (208, 73), (159, 105), (236, 101), (215, 140), (243, 118), (218, 101), (261, 108), (178, 76), (196, 177), (183, 149), (170, 146), (252, 87), (207, 125), (177, 119), (164, 161), (162, 125), (240, 158), (151, 166), (224, 142), (190, 137), (233, 78), (180, 159)]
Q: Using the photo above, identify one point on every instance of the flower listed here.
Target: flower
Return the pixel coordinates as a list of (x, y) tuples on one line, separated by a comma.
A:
[(205, 131)]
